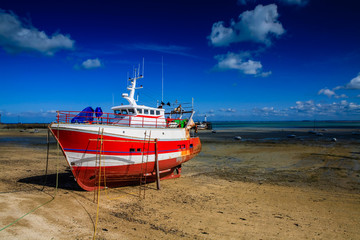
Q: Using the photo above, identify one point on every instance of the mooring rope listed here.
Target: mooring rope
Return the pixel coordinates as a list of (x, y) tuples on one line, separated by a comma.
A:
[(33, 210), (99, 186)]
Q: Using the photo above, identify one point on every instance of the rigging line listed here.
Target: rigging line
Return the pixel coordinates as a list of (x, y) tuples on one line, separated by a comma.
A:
[(162, 78)]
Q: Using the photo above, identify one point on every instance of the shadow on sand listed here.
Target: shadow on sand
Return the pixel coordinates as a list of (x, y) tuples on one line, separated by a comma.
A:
[(66, 181)]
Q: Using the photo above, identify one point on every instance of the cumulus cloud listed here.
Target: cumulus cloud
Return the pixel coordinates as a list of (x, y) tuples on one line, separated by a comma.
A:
[(16, 37), (258, 25), (354, 83), (91, 63), (327, 92), (269, 112), (229, 110), (342, 108), (240, 62), (341, 96)]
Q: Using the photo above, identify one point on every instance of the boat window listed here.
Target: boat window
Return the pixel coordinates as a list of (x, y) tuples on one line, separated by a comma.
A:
[(139, 110), (151, 112), (146, 111), (123, 111), (157, 112), (131, 111), (117, 112)]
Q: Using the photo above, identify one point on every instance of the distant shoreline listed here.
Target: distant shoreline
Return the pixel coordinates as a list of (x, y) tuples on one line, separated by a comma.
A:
[(23, 125)]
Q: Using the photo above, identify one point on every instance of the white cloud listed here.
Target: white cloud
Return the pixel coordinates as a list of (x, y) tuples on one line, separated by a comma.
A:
[(310, 109), (354, 83), (15, 37), (240, 62), (230, 110), (91, 63), (258, 25), (341, 96), (269, 112), (327, 92), (265, 74)]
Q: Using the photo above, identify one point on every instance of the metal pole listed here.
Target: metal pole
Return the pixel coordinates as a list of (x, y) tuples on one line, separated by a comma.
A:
[(157, 165)]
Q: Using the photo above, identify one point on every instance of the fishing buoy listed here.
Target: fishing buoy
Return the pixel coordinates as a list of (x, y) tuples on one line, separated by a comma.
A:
[(237, 138), (333, 139)]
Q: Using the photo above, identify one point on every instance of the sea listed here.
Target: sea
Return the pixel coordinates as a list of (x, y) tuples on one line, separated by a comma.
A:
[(222, 125)]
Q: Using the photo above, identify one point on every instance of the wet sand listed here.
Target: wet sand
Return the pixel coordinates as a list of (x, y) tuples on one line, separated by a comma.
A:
[(264, 186)]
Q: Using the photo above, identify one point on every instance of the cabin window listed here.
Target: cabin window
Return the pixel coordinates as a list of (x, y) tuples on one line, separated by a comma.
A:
[(139, 110), (157, 112), (146, 111), (132, 149), (131, 111), (152, 112), (117, 112), (139, 150), (123, 111)]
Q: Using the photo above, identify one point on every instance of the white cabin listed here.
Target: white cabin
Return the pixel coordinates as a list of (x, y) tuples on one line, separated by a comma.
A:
[(138, 115)]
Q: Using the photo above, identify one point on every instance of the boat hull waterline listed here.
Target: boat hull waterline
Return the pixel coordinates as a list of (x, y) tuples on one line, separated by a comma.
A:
[(104, 155)]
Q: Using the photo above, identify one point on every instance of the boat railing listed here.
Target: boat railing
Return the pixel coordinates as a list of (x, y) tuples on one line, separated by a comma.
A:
[(77, 117)]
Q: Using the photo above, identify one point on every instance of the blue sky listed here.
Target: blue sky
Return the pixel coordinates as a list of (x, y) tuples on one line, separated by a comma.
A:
[(239, 59)]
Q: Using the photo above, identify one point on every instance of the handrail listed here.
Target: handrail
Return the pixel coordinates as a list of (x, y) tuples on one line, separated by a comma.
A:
[(120, 119)]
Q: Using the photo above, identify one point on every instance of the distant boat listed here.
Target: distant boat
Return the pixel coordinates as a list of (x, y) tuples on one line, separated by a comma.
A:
[(125, 145), (205, 125)]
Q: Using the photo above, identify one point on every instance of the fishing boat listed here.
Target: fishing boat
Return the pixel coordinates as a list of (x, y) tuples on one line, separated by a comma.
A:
[(134, 142)]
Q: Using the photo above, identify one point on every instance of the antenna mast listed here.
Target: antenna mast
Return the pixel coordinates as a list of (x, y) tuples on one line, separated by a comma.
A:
[(162, 78), (143, 73)]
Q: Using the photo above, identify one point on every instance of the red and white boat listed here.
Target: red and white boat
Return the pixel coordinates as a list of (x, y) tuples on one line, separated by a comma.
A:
[(123, 146)]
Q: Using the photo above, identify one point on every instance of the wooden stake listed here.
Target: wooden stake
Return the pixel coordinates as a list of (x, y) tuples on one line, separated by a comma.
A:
[(157, 165)]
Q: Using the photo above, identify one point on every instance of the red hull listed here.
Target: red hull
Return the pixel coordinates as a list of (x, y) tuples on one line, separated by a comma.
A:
[(90, 178)]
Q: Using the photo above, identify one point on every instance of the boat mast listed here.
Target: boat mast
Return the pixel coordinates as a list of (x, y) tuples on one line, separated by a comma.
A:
[(132, 88)]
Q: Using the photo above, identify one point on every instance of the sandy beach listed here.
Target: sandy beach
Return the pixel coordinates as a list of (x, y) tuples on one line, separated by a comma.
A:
[(264, 186)]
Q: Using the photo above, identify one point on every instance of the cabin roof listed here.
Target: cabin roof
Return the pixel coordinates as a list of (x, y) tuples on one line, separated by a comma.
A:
[(137, 106)]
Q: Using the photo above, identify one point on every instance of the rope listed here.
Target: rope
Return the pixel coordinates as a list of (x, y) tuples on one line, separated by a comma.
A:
[(33, 210), (99, 187), (47, 158)]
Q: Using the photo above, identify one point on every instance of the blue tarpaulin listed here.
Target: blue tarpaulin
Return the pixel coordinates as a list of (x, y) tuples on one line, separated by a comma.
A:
[(85, 115), (98, 112)]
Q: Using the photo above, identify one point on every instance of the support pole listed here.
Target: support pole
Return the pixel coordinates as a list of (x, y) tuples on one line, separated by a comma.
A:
[(157, 165)]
